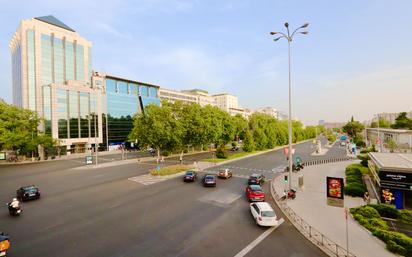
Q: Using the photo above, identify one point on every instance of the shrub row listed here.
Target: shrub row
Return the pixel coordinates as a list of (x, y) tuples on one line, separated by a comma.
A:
[(395, 242), (354, 183), (389, 211)]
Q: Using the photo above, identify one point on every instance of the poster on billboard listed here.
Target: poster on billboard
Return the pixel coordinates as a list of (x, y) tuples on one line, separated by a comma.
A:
[(334, 191)]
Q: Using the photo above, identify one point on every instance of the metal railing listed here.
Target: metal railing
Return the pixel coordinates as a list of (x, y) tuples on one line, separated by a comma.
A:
[(316, 237), (329, 160)]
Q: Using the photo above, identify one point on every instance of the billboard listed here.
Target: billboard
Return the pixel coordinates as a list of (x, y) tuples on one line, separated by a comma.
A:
[(334, 191)]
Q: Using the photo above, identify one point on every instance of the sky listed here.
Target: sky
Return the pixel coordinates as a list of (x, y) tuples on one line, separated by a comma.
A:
[(356, 59)]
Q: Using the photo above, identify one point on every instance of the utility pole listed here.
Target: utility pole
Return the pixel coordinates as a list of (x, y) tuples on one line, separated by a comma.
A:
[(96, 149)]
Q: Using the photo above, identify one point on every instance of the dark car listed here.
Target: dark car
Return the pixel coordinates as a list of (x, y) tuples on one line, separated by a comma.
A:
[(28, 193), (190, 176), (256, 179), (209, 180)]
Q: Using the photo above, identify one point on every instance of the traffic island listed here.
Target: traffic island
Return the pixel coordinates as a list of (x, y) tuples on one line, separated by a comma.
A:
[(170, 170)]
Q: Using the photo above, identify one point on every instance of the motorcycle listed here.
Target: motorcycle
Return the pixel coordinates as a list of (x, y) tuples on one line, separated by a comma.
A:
[(291, 194), (295, 168), (4, 244), (14, 211)]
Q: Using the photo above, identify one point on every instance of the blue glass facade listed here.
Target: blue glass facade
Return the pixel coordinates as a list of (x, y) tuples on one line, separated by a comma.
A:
[(31, 73), (16, 76), (124, 99)]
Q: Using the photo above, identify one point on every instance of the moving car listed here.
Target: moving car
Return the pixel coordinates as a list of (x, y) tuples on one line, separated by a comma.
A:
[(28, 193), (225, 173), (4, 244), (190, 175), (255, 193), (256, 179), (209, 180), (263, 214)]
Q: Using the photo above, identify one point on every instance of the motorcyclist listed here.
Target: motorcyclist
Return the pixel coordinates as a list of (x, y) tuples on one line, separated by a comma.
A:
[(14, 205)]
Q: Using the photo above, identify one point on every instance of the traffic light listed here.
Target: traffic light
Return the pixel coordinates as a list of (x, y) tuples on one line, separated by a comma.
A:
[(286, 179)]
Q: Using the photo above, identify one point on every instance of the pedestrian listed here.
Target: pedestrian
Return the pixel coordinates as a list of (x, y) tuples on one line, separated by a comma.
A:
[(366, 198), (181, 159)]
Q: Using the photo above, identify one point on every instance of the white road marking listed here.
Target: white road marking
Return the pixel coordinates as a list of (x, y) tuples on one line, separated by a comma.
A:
[(253, 244), (148, 179)]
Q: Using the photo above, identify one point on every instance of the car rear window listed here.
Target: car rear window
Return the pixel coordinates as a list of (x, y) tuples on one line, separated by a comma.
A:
[(31, 190), (189, 173), (210, 177), (255, 188), (268, 214)]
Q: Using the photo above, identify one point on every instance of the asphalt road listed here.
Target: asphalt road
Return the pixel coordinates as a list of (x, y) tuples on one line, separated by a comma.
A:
[(86, 211)]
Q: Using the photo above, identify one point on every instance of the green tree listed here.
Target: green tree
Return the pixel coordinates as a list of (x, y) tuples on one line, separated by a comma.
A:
[(19, 130), (159, 127), (382, 123), (248, 142), (402, 122), (353, 127), (241, 126)]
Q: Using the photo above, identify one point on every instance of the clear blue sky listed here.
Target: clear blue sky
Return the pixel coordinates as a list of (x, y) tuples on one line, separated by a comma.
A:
[(355, 61)]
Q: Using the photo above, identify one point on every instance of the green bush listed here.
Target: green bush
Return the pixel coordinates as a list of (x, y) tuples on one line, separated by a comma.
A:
[(405, 216), (398, 238), (354, 179), (378, 223), (205, 148), (364, 159), (221, 153), (354, 189), (353, 171), (386, 210), (368, 212), (395, 248), (357, 166)]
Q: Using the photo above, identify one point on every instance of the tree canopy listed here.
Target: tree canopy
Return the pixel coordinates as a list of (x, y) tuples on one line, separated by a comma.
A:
[(353, 127), (402, 122), (173, 126), (19, 130)]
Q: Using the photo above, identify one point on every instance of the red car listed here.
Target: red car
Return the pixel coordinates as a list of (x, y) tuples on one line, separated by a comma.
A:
[(255, 193)]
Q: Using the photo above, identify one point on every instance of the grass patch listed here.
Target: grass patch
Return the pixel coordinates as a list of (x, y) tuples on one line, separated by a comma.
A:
[(230, 156), (170, 170)]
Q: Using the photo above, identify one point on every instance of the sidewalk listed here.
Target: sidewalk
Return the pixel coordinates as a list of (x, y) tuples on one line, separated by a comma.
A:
[(310, 205)]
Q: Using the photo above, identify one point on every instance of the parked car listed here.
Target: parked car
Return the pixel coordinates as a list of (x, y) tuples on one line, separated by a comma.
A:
[(190, 175), (209, 180), (263, 214), (255, 193), (225, 173), (28, 193), (256, 179)]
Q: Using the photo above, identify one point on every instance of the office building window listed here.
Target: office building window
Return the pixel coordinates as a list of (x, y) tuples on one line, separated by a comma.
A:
[(74, 114), (143, 91), (111, 86), (46, 60), (122, 87), (47, 110), (79, 62), (84, 115), (58, 61), (69, 54), (31, 75), (62, 113)]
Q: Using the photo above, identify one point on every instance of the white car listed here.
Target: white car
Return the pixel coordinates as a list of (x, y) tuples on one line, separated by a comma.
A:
[(263, 214)]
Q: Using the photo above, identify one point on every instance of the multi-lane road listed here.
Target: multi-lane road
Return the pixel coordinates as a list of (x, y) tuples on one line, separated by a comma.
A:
[(109, 211)]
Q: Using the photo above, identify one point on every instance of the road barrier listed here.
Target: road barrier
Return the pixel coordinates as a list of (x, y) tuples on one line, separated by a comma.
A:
[(324, 243), (329, 160)]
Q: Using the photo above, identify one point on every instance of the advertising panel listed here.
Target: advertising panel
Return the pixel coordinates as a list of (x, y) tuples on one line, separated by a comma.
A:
[(334, 191)]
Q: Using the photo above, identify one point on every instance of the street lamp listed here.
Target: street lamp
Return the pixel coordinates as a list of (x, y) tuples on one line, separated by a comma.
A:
[(289, 37)]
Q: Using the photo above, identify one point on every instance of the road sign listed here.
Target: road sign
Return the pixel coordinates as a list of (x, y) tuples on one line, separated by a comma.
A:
[(89, 160)]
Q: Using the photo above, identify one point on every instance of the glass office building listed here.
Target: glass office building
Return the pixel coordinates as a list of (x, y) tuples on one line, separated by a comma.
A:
[(52, 75)]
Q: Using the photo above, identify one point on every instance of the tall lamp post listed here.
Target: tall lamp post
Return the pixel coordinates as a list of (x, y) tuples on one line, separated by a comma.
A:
[(289, 37)]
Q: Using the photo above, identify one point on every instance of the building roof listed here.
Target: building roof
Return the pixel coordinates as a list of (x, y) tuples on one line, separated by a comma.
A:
[(50, 19), (130, 81), (389, 130), (393, 161)]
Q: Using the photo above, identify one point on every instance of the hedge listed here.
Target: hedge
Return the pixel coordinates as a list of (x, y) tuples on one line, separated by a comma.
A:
[(354, 183), (395, 248), (405, 216), (354, 189), (386, 210), (400, 239), (221, 153)]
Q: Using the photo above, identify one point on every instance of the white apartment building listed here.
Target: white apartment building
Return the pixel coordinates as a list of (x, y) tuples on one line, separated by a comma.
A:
[(269, 111), (172, 96), (226, 101)]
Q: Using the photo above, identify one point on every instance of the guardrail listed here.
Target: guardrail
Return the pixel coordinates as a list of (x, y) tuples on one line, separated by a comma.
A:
[(323, 242), (329, 160)]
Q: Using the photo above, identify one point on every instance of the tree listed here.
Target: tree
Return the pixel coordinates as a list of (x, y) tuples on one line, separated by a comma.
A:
[(241, 126), (402, 122), (248, 142), (19, 130), (382, 124), (391, 145), (159, 126), (353, 127)]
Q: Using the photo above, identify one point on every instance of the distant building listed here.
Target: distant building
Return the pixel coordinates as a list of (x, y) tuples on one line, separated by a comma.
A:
[(242, 111), (269, 111), (402, 138), (173, 95), (321, 122), (203, 97), (226, 101)]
